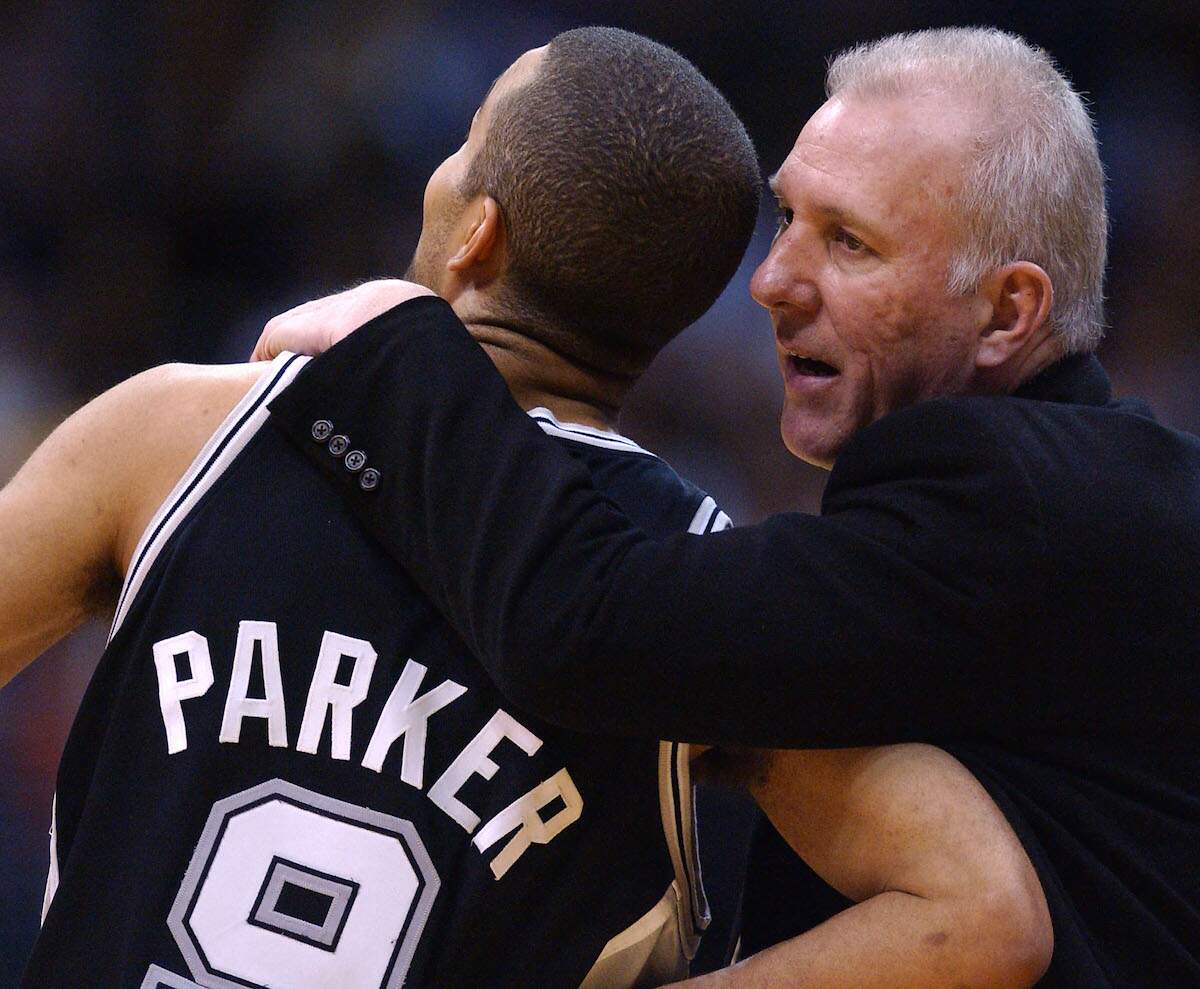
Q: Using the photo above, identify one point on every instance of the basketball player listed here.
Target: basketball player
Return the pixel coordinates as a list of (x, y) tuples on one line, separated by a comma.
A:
[(287, 770)]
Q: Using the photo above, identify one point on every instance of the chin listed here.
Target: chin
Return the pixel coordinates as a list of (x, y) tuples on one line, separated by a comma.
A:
[(807, 441)]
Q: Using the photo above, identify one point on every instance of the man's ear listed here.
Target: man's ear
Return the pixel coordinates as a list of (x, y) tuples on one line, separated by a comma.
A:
[(1021, 295), (483, 248)]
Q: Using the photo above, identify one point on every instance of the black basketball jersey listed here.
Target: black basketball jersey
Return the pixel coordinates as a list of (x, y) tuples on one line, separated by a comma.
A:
[(288, 771)]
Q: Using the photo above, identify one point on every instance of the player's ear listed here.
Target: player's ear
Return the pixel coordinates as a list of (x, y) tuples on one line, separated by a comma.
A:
[(1020, 294), (484, 246)]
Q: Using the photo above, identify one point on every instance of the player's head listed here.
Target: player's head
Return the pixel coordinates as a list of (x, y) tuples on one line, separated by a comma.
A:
[(943, 232), (604, 197)]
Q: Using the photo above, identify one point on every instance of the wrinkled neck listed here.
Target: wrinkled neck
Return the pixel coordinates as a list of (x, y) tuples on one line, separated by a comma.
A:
[(539, 376)]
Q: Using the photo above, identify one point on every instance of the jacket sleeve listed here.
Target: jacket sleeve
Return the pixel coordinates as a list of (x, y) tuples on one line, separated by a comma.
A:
[(903, 612)]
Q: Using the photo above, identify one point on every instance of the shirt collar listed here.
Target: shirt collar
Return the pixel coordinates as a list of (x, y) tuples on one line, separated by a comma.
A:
[(1077, 379)]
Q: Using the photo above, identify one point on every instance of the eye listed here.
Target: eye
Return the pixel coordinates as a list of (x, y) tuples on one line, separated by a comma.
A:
[(784, 219), (849, 241)]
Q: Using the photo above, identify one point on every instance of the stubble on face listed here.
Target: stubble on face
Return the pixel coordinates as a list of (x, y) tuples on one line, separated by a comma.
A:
[(428, 264)]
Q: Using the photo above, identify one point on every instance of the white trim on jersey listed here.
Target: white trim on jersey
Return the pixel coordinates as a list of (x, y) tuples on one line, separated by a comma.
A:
[(214, 458), (158, 977), (679, 825), (52, 873), (607, 439), (709, 518)]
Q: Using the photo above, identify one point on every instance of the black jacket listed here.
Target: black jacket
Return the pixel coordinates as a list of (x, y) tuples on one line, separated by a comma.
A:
[(1014, 578)]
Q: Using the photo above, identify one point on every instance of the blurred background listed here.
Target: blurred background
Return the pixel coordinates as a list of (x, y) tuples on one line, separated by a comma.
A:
[(171, 175)]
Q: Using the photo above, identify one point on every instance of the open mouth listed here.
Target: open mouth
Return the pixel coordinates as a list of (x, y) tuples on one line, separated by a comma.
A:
[(810, 367)]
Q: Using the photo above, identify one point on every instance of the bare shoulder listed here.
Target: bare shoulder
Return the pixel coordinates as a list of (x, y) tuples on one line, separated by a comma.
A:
[(72, 515), (154, 425), (186, 391)]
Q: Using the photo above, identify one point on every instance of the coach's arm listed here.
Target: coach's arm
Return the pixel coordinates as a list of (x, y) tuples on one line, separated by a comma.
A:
[(71, 517), (904, 612)]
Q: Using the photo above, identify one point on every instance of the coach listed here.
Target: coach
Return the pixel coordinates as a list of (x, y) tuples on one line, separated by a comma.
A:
[(1007, 560)]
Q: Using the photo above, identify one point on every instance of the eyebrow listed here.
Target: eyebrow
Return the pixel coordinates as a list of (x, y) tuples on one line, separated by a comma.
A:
[(837, 214), (841, 215), (825, 209)]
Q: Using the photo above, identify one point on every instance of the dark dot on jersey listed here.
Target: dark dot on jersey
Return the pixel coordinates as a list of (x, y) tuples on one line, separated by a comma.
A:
[(304, 904)]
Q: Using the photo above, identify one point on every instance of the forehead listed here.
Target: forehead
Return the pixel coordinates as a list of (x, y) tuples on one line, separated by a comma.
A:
[(893, 156)]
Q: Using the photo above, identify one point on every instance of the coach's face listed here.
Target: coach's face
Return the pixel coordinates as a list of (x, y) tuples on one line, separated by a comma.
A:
[(856, 277), (447, 214)]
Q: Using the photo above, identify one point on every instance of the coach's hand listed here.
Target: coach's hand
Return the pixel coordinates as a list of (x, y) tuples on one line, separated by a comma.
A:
[(314, 327)]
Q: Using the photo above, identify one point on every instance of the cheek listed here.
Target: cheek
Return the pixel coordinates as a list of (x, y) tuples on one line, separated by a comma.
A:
[(429, 202), (890, 321), (885, 333), (912, 315), (872, 320), (441, 182)]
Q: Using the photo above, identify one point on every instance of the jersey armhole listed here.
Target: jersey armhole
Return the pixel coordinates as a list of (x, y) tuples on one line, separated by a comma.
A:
[(679, 827)]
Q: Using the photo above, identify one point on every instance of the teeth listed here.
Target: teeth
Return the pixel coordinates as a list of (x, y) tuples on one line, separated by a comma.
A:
[(813, 365)]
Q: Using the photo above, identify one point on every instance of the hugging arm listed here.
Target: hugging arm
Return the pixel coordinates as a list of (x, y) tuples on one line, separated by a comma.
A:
[(897, 615)]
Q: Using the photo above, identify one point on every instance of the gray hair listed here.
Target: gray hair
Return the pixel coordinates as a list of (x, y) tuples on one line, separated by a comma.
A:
[(1035, 191)]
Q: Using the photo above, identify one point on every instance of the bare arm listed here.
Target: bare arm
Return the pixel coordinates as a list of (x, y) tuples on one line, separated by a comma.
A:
[(71, 518), (945, 895)]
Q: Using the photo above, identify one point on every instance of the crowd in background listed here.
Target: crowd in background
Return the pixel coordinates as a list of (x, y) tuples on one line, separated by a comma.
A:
[(173, 175)]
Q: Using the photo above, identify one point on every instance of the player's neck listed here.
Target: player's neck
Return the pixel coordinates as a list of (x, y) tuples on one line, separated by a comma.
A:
[(539, 376)]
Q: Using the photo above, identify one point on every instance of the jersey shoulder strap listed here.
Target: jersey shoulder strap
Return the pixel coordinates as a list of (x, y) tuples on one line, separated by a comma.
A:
[(214, 458)]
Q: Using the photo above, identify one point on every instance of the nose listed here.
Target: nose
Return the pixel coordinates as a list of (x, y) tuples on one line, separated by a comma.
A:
[(783, 282)]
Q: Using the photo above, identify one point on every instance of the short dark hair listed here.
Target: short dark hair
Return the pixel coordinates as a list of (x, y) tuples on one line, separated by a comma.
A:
[(629, 190)]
